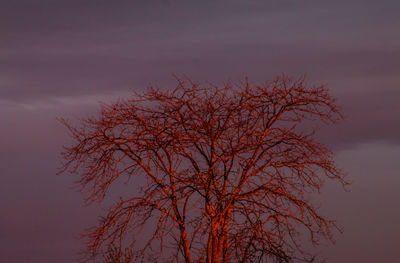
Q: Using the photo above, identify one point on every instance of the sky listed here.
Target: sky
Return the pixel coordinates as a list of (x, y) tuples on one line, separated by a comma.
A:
[(61, 58)]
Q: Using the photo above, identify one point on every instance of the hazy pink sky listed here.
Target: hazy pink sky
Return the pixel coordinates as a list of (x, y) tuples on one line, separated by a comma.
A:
[(60, 58)]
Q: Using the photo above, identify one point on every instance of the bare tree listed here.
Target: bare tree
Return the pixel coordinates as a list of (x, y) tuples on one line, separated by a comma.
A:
[(218, 174)]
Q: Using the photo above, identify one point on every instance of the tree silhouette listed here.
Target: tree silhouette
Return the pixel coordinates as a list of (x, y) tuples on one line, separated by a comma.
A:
[(217, 174)]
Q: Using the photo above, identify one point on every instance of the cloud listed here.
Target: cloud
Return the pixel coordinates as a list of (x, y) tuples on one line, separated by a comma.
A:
[(367, 212), (80, 48)]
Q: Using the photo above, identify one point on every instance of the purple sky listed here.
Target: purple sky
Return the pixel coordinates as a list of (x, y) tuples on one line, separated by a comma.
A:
[(60, 58)]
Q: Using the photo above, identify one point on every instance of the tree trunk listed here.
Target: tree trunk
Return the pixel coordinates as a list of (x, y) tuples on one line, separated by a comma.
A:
[(186, 249)]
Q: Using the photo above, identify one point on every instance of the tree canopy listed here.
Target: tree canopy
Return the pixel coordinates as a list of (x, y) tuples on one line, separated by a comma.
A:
[(217, 173)]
